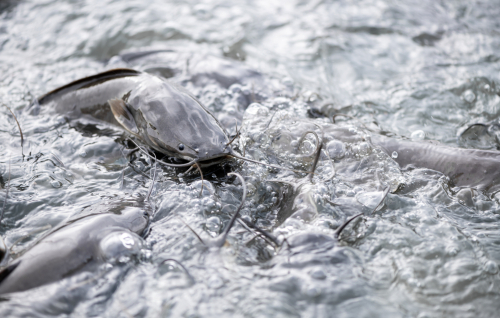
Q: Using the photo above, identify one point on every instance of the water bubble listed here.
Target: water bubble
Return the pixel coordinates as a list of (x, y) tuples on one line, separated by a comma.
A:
[(486, 88), (418, 135), (251, 189), (56, 184), (318, 274), (491, 267), (213, 224), (394, 155), (336, 149), (468, 96), (263, 111), (215, 282), (120, 246), (82, 153), (287, 81), (364, 148), (452, 251), (127, 240)]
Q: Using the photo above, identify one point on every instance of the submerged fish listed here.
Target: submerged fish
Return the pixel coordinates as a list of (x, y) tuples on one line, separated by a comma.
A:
[(472, 168), (106, 232)]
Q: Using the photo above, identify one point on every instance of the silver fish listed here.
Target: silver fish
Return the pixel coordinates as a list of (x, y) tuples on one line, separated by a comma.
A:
[(106, 231), (162, 115)]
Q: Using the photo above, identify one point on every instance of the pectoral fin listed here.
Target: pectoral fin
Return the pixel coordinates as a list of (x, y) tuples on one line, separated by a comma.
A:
[(123, 115)]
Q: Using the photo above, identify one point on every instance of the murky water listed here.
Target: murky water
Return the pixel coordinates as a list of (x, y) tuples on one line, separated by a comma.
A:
[(419, 69)]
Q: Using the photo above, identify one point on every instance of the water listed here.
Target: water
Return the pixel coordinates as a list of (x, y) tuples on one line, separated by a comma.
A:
[(419, 69)]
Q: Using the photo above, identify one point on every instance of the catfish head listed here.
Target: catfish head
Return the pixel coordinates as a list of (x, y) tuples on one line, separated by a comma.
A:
[(169, 119)]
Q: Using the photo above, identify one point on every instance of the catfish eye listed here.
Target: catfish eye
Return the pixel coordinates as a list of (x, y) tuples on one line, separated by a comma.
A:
[(181, 147)]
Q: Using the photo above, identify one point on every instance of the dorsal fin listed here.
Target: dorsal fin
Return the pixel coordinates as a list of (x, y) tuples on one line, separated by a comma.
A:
[(88, 82), (6, 271)]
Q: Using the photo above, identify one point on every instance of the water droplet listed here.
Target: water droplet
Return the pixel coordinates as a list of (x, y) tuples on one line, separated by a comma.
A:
[(336, 149), (287, 81), (262, 112), (491, 267), (394, 155), (364, 148), (215, 282), (418, 135), (318, 274), (469, 96), (127, 240), (56, 184), (213, 225)]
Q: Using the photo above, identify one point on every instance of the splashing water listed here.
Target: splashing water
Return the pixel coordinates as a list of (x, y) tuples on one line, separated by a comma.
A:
[(420, 70)]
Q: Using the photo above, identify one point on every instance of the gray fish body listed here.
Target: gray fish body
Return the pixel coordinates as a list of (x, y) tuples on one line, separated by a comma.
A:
[(77, 245), (472, 168), (162, 115), (465, 167)]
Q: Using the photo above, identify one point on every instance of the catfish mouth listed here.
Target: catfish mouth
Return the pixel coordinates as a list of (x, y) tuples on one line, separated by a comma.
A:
[(214, 160), (179, 159)]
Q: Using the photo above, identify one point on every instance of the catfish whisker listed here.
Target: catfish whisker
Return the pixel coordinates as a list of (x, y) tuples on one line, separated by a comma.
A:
[(235, 136), (262, 233), (301, 140), (315, 163), (343, 226), (233, 154), (138, 171), (191, 278), (201, 174), (6, 195), (222, 240), (194, 232), (152, 182), (18, 125), (219, 241)]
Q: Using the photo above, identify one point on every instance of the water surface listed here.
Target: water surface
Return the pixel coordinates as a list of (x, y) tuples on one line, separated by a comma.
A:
[(424, 70)]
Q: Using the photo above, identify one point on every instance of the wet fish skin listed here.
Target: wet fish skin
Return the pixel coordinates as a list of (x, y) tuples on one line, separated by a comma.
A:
[(161, 114), (75, 246), (472, 168)]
